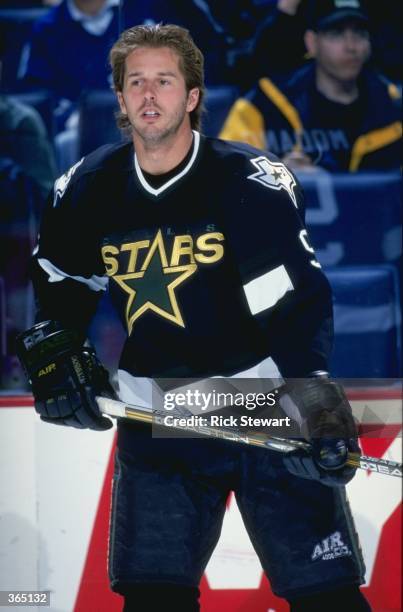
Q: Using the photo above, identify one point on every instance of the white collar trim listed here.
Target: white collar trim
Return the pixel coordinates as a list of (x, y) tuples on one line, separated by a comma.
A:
[(93, 24), (175, 178)]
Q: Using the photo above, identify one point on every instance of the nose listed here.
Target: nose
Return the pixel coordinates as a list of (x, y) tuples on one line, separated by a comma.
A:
[(351, 40), (149, 93)]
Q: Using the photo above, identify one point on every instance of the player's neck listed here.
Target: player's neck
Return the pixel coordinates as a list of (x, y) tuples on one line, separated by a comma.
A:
[(161, 157), (343, 92)]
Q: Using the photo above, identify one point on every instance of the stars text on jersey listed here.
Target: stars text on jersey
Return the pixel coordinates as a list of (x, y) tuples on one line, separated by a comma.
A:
[(150, 275)]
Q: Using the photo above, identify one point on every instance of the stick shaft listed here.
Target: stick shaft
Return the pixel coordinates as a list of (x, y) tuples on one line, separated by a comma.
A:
[(142, 414)]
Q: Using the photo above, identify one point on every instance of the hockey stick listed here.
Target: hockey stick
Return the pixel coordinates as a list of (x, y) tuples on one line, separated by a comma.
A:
[(119, 409)]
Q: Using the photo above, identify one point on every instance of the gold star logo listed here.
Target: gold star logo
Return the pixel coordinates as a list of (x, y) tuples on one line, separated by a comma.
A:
[(153, 287)]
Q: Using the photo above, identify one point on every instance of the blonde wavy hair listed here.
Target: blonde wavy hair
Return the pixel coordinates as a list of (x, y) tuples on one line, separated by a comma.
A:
[(191, 61)]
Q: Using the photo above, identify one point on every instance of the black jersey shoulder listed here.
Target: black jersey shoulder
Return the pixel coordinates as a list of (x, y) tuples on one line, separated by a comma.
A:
[(105, 154), (110, 157), (241, 158), (260, 173)]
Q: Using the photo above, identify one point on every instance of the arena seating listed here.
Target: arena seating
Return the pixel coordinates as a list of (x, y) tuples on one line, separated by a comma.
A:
[(354, 218), (96, 124), (367, 321), (355, 226), (218, 101), (15, 26)]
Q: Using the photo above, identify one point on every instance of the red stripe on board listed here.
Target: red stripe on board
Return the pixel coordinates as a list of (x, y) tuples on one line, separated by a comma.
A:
[(385, 593), (379, 393), (16, 401), (376, 447), (94, 592)]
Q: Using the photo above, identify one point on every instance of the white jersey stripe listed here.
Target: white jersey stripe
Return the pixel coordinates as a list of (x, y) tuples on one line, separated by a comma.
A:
[(145, 392), (266, 290), (95, 283)]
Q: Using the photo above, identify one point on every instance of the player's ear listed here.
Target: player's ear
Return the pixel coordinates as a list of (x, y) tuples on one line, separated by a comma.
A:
[(193, 99), (121, 101)]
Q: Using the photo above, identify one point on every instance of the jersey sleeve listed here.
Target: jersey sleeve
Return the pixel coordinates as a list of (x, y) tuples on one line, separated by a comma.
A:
[(284, 287), (67, 269)]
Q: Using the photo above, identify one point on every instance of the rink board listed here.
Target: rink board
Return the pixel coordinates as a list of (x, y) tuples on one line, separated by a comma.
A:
[(54, 506)]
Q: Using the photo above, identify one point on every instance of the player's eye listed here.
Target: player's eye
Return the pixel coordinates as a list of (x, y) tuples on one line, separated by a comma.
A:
[(164, 82)]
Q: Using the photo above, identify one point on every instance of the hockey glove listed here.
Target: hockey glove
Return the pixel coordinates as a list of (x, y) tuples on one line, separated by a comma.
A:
[(65, 376), (327, 423)]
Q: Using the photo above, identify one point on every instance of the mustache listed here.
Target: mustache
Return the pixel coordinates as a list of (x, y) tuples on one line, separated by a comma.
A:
[(149, 106)]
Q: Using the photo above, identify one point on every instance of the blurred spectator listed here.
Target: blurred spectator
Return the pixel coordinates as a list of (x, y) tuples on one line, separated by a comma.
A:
[(27, 172), (332, 113), (279, 44), (19, 212), (69, 48), (24, 141), (195, 15), (238, 20)]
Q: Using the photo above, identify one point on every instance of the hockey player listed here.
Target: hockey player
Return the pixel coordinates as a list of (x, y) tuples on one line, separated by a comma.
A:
[(208, 264)]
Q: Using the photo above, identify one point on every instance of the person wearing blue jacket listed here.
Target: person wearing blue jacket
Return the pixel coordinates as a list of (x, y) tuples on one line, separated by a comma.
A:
[(335, 112), (68, 50)]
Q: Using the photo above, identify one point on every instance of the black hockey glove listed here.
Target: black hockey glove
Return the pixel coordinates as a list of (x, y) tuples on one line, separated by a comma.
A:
[(328, 424), (65, 376)]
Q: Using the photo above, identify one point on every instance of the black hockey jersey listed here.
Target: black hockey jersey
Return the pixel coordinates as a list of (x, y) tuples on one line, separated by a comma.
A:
[(211, 272)]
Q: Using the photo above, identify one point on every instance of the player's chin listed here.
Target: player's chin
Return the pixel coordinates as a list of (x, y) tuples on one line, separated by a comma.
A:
[(149, 132)]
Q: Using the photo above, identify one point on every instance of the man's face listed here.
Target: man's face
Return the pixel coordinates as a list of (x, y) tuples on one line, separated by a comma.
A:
[(341, 51), (154, 95)]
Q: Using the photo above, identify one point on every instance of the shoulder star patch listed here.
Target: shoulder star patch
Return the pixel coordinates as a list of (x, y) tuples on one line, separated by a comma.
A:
[(274, 175)]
